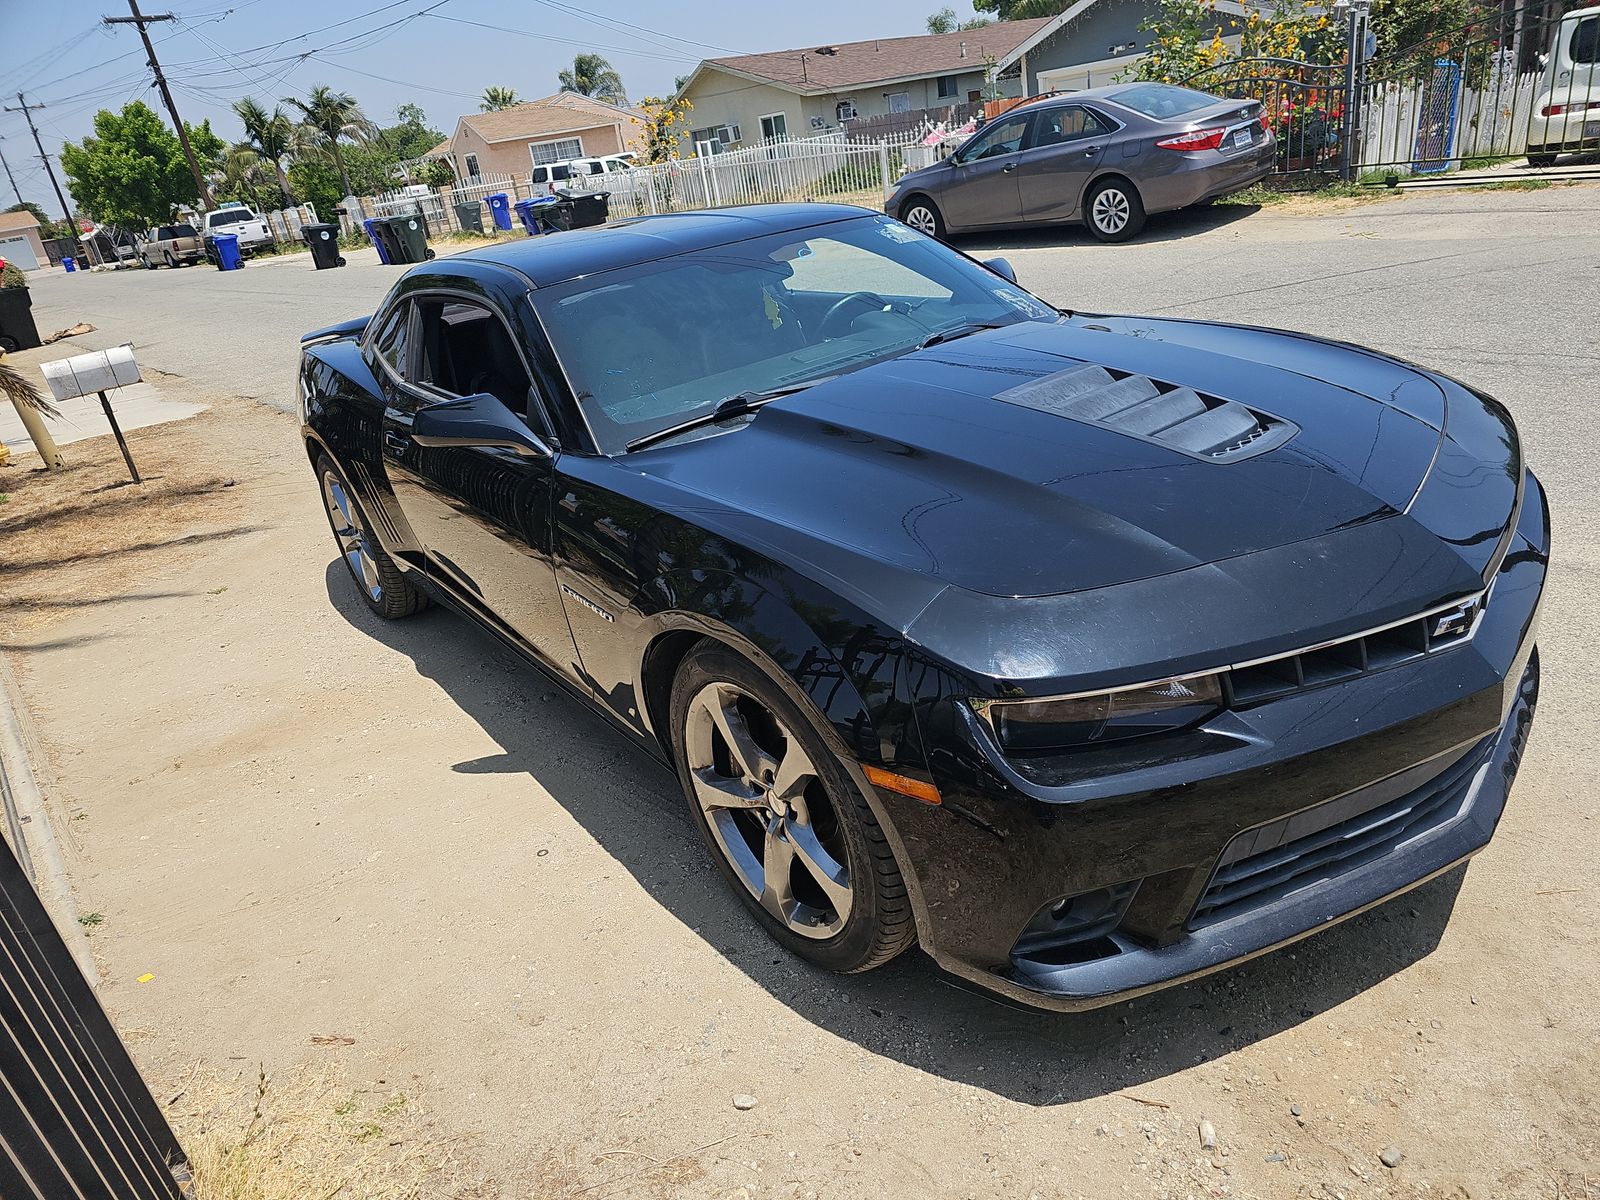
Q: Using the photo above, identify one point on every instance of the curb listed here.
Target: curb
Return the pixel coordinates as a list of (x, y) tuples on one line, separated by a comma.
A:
[(28, 825)]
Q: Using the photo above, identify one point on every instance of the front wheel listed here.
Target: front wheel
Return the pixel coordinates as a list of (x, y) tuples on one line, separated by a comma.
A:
[(923, 215), (1113, 210), (385, 589), (788, 828)]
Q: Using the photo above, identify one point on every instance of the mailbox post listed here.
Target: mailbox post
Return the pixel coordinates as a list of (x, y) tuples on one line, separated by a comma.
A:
[(92, 375)]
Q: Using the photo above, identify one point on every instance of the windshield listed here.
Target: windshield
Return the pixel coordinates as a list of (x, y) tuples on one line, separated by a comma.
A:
[(231, 216), (650, 346), (1162, 100)]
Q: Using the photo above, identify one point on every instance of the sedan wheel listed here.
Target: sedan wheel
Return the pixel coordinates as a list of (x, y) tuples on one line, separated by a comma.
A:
[(1114, 211), (789, 830), (386, 591), (922, 216)]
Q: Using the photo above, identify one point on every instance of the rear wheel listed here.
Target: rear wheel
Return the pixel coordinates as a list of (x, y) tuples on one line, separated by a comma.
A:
[(923, 215), (1113, 210), (788, 828), (171, 262), (385, 589)]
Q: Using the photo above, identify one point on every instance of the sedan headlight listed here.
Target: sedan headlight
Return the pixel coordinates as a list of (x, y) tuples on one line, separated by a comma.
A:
[(1072, 721)]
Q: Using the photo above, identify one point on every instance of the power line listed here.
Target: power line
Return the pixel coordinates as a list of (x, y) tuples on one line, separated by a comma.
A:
[(9, 175), (614, 23), (140, 21), (26, 110), (551, 37)]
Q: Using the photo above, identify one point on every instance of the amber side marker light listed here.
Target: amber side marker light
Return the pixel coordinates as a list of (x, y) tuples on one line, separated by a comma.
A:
[(914, 788)]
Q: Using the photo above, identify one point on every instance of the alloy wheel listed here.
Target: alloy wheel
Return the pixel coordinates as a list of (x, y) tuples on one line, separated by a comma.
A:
[(353, 543), (1110, 210), (768, 810), (921, 218)]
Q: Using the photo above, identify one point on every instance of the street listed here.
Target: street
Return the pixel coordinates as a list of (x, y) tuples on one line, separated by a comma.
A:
[(303, 823)]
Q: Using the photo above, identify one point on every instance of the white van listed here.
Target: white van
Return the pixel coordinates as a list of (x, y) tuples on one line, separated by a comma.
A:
[(1566, 112), (546, 177)]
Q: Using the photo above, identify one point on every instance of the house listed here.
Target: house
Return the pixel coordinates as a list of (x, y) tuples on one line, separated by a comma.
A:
[(554, 129), (20, 244), (751, 98), (1092, 42)]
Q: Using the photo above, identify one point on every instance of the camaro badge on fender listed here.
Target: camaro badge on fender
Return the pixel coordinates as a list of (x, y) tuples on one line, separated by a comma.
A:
[(589, 604)]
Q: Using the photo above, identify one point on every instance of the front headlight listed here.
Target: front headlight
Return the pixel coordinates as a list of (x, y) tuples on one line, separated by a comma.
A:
[(1073, 721)]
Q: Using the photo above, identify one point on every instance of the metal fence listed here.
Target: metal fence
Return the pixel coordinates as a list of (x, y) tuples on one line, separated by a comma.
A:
[(76, 1119)]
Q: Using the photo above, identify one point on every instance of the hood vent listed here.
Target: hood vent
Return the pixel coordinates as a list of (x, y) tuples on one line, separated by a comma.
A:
[(1179, 418)]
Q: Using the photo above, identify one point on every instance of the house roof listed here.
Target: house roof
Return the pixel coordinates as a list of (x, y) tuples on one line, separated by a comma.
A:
[(442, 150), (560, 113), (841, 66), (1050, 26), (11, 222)]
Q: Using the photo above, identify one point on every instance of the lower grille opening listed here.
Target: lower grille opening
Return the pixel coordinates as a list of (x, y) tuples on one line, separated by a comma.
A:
[(1076, 929), (1271, 861)]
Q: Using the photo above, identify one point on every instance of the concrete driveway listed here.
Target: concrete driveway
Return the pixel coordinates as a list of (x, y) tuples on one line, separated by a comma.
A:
[(305, 822)]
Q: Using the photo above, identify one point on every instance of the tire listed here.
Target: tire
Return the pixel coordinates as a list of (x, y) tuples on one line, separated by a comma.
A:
[(1541, 160), (339, 262), (818, 827), (8, 344), (146, 263), (1113, 210), (172, 263), (923, 215), (428, 257), (379, 582)]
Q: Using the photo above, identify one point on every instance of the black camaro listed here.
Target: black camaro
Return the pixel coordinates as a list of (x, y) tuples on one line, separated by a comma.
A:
[(1091, 652)]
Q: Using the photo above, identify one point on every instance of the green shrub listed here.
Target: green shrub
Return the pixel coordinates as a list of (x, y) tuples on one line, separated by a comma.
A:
[(12, 277)]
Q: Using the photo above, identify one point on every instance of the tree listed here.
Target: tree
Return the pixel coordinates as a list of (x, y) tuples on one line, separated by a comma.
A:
[(247, 176), (593, 76), (328, 116), (496, 98), (1020, 10), (132, 170), (666, 117), (28, 206), (946, 20), (271, 135), (317, 184)]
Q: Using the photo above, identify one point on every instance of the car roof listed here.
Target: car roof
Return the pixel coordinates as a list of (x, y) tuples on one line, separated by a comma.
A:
[(557, 257), (1109, 91)]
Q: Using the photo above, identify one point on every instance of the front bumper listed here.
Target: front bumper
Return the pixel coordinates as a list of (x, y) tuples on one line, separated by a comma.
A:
[(1161, 844)]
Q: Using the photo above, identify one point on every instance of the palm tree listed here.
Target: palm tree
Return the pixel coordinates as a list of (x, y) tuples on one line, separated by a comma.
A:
[(593, 76), (271, 135), (327, 116), (496, 98), (244, 173)]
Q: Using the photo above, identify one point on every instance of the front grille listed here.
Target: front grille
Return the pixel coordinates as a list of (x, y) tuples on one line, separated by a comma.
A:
[(1271, 861)]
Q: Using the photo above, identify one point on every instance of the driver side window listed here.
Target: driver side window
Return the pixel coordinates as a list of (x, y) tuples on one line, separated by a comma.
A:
[(1005, 136), (464, 349)]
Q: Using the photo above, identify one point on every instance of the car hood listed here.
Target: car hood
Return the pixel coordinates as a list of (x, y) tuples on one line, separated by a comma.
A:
[(916, 465)]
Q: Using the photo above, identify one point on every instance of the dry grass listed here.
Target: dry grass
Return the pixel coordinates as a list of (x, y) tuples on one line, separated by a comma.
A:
[(308, 1135)]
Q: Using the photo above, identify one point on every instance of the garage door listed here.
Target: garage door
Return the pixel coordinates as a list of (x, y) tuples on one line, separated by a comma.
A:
[(19, 252)]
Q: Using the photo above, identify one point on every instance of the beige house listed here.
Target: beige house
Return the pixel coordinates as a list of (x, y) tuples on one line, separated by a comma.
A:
[(554, 129), (20, 244), (751, 98)]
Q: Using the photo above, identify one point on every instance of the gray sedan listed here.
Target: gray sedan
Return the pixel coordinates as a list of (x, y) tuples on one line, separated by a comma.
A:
[(1106, 156)]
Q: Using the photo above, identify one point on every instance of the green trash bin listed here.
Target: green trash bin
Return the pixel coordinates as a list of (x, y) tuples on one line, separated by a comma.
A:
[(410, 235), (470, 216)]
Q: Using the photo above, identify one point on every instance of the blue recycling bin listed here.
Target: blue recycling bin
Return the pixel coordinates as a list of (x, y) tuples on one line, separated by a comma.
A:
[(70, 263), (524, 210), (383, 252), (228, 257), (500, 209)]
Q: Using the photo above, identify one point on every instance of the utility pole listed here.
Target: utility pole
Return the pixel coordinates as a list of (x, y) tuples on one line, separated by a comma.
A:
[(26, 110), (9, 175), (140, 20)]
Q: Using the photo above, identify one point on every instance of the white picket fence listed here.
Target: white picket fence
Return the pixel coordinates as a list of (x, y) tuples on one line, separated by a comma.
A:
[(1489, 121)]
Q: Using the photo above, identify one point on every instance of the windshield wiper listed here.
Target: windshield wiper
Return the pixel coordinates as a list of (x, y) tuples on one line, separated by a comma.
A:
[(739, 405), (952, 332)]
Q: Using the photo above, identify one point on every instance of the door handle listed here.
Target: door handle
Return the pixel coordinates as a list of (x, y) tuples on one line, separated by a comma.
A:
[(395, 443), (1092, 151), (1008, 168)]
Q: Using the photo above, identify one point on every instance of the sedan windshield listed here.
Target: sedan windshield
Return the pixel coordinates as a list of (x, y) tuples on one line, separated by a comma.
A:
[(653, 346)]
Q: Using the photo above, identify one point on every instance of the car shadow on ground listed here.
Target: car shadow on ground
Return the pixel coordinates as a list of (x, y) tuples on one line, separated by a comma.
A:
[(1162, 227), (910, 1010)]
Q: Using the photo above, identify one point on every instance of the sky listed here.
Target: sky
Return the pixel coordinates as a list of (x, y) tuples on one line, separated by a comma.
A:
[(384, 52)]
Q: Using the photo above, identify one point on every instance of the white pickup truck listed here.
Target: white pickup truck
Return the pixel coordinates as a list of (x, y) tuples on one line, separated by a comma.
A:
[(239, 220)]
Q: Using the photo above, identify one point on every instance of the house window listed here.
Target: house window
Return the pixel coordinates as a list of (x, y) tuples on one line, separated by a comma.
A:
[(774, 127), (554, 152), (898, 101), (845, 110), (472, 166), (947, 87), (714, 139)]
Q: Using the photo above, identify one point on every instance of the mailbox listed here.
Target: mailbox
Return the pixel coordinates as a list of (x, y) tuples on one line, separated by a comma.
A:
[(87, 374)]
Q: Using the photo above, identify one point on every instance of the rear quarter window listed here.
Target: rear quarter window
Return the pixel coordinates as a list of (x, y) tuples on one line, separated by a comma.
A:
[(1586, 41)]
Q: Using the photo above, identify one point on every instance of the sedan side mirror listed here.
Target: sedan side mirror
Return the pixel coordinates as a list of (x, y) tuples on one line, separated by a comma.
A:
[(1001, 268), (479, 420)]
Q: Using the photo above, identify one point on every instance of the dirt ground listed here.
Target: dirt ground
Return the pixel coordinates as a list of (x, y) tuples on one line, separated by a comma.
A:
[(388, 859)]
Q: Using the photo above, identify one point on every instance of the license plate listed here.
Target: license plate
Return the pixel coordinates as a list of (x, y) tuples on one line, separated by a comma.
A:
[(1241, 137)]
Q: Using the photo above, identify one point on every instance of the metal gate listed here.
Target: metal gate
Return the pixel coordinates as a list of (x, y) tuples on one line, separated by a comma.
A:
[(1304, 105), (76, 1120)]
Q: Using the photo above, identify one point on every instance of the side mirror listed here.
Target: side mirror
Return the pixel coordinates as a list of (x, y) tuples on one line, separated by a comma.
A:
[(479, 420), (1001, 268)]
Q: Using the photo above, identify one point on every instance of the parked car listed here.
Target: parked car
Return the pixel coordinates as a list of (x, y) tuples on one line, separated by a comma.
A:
[(1094, 653), (239, 220), (172, 245), (1107, 157), (545, 176), (1566, 112)]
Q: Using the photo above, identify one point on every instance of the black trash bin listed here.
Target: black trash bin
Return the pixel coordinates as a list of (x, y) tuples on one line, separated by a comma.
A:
[(17, 330), (586, 208), (410, 236), (324, 243), (470, 216)]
